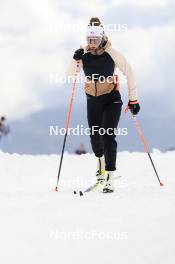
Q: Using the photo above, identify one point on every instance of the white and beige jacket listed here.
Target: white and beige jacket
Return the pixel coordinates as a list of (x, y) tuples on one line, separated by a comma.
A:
[(99, 67)]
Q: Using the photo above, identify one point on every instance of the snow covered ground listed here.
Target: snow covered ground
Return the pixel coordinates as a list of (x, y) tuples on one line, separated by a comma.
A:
[(133, 225)]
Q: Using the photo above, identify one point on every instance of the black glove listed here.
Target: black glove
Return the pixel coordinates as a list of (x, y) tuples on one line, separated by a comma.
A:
[(134, 107), (78, 54)]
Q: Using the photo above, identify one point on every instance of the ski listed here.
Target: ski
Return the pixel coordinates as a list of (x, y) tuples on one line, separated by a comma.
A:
[(94, 188)]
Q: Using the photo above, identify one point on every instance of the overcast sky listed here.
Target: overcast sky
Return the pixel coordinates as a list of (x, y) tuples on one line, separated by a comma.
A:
[(37, 38)]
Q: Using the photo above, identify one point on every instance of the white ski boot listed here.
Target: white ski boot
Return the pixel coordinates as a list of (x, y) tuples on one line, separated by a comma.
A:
[(109, 184), (100, 176)]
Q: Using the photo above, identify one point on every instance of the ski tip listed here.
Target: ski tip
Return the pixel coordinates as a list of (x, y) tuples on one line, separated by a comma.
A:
[(161, 184), (78, 192), (56, 189)]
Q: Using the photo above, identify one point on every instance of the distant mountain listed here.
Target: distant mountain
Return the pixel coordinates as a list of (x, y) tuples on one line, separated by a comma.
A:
[(31, 134)]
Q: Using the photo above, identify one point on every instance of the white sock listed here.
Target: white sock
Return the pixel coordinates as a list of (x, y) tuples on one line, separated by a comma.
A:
[(110, 174), (101, 164)]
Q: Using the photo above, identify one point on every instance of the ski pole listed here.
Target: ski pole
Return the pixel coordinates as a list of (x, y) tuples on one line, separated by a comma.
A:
[(145, 144), (67, 123)]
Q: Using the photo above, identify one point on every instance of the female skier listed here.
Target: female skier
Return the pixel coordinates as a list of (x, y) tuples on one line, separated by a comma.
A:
[(99, 61)]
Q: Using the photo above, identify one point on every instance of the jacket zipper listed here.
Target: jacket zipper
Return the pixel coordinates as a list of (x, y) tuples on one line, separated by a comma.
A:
[(95, 88)]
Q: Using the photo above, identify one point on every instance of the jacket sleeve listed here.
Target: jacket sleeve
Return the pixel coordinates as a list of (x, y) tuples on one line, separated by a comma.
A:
[(126, 69)]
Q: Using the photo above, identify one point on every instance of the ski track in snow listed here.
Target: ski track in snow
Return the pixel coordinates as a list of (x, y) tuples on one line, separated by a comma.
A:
[(133, 225)]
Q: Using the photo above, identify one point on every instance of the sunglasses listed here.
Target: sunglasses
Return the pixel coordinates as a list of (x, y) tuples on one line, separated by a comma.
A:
[(94, 41)]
